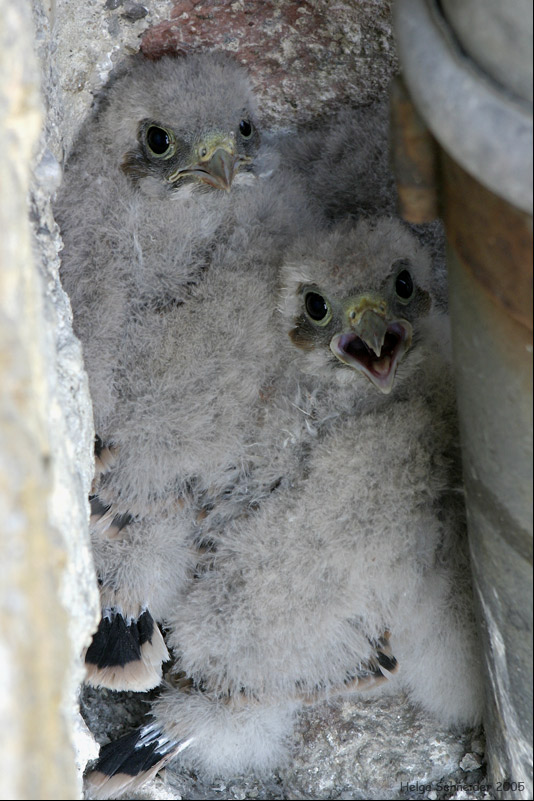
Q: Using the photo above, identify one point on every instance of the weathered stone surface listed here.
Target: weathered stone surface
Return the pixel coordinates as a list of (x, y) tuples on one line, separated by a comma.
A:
[(372, 748), (307, 58), (78, 44), (47, 596), (134, 11), (356, 748), (75, 50)]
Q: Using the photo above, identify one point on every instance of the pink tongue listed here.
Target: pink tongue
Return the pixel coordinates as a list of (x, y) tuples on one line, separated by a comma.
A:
[(382, 367)]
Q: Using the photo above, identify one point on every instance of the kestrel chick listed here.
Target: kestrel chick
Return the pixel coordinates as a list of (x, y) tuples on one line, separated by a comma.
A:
[(173, 230), (354, 577)]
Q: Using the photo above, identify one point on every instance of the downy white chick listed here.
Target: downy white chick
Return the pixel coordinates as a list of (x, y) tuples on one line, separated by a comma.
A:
[(344, 161), (355, 577), (173, 230)]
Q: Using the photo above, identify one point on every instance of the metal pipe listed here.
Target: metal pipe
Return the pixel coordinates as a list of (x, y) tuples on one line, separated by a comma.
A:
[(480, 114)]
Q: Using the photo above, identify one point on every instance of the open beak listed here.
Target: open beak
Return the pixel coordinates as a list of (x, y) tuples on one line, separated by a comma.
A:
[(374, 346), (217, 166)]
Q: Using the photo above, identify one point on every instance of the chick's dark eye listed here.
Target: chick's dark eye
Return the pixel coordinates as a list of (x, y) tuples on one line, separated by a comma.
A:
[(404, 285), (245, 129), (316, 306), (158, 140)]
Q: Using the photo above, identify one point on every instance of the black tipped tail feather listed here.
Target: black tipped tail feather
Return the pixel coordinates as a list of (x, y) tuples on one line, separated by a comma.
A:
[(127, 763), (387, 663), (126, 654), (382, 665), (375, 671), (106, 521), (105, 458)]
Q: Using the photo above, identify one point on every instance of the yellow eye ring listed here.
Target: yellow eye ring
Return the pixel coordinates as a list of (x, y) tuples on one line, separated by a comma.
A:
[(160, 142)]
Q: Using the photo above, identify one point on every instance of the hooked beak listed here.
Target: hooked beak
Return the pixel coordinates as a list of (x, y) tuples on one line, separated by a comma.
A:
[(217, 167), (374, 346)]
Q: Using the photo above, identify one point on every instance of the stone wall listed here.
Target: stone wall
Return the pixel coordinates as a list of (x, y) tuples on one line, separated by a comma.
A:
[(54, 54)]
